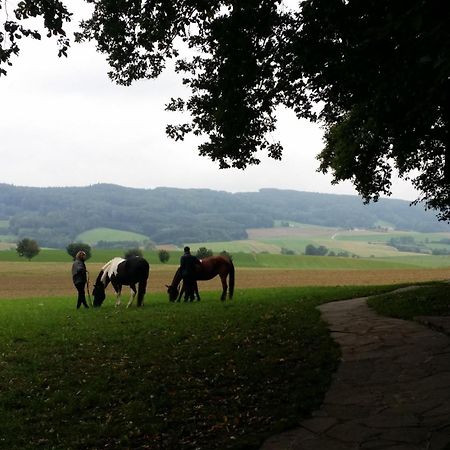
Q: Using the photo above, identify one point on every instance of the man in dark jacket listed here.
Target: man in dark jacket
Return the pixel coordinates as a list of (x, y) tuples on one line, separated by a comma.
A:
[(188, 264), (79, 277)]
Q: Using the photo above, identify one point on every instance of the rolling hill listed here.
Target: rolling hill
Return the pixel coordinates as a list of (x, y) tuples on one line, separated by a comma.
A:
[(57, 216)]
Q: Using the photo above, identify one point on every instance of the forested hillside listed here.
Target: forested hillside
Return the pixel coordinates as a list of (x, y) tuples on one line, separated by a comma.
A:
[(55, 216)]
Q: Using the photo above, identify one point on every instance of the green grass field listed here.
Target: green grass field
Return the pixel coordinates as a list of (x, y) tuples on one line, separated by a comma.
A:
[(203, 376), (206, 375), (262, 260)]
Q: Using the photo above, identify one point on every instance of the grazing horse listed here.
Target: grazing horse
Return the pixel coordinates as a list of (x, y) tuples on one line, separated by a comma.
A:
[(209, 268), (119, 272)]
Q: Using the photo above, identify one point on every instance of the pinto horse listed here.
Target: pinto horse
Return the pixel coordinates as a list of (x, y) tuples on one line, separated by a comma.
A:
[(209, 268), (119, 272)]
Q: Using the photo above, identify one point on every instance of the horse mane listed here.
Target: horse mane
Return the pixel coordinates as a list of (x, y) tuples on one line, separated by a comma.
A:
[(110, 268), (177, 278)]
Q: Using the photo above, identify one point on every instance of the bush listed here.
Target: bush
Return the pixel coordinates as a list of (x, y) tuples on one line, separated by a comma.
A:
[(225, 253), (163, 256), (204, 252), (73, 248), (133, 252), (28, 248), (317, 251)]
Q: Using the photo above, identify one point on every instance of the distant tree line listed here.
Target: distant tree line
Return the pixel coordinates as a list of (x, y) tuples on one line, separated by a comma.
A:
[(320, 250), (56, 216), (408, 244)]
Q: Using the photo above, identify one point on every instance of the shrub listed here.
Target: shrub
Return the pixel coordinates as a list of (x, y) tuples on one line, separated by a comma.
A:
[(225, 253), (28, 248), (318, 251), (163, 256), (204, 252), (73, 248), (133, 252)]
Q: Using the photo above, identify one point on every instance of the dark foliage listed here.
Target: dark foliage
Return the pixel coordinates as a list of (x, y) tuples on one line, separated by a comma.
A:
[(28, 248), (163, 256), (319, 250), (204, 252), (133, 252), (225, 253), (381, 70), (408, 244), (53, 12), (73, 248)]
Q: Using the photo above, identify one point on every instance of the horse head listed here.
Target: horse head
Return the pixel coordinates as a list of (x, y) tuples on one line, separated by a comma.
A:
[(99, 294), (173, 292)]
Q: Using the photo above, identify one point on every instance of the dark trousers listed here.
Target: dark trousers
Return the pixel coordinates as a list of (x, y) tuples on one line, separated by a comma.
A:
[(189, 285), (81, 295)]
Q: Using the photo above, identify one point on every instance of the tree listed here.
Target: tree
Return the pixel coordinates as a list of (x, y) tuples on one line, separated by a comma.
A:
[(226, 254), (73, 248), (375, 74), (133, 252), (54, 14), (204, 252), (28, 248), (311, 249), (163, 256), (381, 70)]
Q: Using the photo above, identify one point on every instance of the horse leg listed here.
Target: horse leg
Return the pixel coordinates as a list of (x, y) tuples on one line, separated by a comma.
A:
[(181, 292), (223, 279), (133, 293), (118, 292), (196, 291)]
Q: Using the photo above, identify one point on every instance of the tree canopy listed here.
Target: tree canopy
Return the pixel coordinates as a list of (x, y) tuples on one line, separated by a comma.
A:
[(375, 74), (28, 248)]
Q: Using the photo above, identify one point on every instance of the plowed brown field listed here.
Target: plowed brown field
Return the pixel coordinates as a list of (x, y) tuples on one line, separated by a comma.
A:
[(22, 279)]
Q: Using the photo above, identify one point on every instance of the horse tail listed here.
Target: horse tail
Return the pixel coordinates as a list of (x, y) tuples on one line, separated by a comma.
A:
[(231, 281), (142, 287)]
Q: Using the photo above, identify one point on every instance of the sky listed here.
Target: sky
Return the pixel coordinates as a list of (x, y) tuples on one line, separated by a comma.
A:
[(64, 123)]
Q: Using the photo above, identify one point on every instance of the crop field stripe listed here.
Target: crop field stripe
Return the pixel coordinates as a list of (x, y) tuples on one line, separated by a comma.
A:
[(23, 279)]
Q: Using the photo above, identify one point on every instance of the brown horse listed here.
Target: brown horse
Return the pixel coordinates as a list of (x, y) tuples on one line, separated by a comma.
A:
[(209, 268)]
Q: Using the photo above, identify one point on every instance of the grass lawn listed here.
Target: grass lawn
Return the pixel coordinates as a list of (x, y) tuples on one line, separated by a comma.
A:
[(433, 300), (206, 375)]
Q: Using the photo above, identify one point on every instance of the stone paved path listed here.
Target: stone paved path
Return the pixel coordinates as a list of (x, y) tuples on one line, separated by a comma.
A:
[(391, 391)]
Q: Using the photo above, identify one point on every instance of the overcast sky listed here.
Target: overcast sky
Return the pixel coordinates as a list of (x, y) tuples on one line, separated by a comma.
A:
[(64, 123)]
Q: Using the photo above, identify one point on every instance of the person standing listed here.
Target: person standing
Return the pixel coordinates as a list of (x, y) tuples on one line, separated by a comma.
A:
[(79, 277), (188, 264)]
